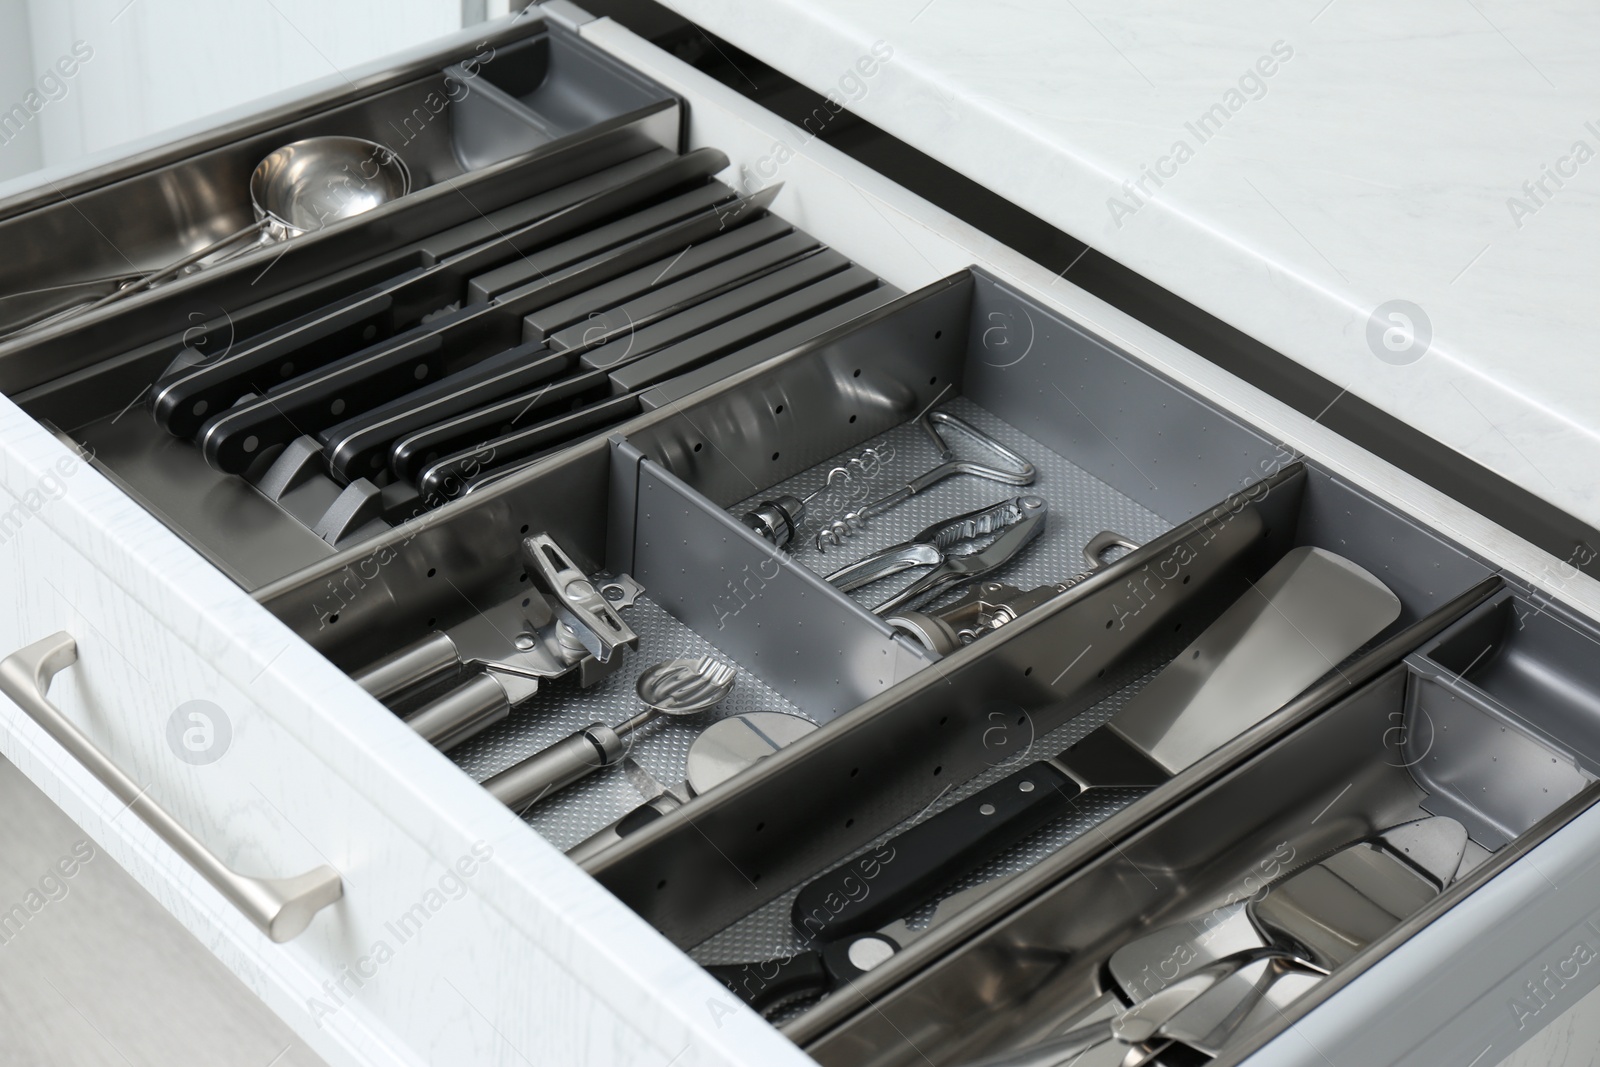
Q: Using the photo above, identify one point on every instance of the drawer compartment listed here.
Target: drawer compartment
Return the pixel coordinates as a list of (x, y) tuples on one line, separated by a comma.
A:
[(1514, 669), (906, 730), (1204, 869), (467, 148), (1496, 654), (538, 90), (1237, 512), (563, 85)]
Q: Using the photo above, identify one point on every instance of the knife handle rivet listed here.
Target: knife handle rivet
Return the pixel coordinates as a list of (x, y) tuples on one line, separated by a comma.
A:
[(1026, 787), (986, 809)]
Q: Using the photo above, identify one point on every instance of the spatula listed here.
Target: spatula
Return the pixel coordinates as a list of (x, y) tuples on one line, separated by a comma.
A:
[(1304, 616), (1321, 909)]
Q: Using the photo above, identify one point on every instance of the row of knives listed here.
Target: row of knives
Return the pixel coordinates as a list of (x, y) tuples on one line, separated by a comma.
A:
[(468, 363)]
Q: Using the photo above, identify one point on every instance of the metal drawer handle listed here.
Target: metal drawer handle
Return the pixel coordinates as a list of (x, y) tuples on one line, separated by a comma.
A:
[(280, 907)]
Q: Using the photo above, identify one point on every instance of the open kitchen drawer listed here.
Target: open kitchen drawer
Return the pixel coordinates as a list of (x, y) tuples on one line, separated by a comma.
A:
[(459, 934)]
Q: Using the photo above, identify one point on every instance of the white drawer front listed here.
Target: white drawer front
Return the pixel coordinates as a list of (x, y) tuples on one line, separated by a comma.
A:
[(462, 937)]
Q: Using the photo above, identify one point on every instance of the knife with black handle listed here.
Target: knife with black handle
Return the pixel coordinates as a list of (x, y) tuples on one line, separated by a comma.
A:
[(453, 475), (1304, 616), (359, 447), (184, 402), (470, 431)]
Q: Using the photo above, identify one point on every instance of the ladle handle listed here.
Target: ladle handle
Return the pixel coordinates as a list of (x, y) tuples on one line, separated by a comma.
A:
[(571, 759), (174, 267), (139, 285), (252, 230)]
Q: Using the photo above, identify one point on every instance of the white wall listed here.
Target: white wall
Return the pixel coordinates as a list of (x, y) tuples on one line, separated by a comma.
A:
[(19, 147), (159, 63)]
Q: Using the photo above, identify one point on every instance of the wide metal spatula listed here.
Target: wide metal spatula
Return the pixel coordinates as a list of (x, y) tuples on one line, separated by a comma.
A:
[(1304, 616), (1304, 907)]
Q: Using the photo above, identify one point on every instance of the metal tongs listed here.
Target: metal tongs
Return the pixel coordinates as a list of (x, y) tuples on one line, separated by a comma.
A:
[(985, 608), (959, 550)]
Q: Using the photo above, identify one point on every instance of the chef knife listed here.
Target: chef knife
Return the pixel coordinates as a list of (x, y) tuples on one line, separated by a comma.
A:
[(313, 398), (182, 403), (718, 247), (504, 434), (1304, 616)]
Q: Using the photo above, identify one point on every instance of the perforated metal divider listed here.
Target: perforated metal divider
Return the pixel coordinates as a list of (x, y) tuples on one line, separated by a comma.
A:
[(896, 756), (769, 933), (1119, 420), (710, 589), (1500, 712), (1081, 505), (805, 809), (773, 617)]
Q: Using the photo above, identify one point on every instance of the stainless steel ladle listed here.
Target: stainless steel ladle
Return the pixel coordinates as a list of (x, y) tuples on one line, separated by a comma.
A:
[(297, 189)]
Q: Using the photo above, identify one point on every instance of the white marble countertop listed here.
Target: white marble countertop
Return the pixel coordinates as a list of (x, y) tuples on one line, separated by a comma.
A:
[(1313, 161)]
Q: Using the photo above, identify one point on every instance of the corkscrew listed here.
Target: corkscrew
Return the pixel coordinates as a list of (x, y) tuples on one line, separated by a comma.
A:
[(1022, 473), (782, 517)]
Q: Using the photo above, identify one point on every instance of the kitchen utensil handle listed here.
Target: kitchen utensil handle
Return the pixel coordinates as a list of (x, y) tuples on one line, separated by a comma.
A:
[(177, 265), (598, 627), (767, 984), (173, 268), (1021, 473), (574, 757), (637, 819), (892, 880), (281, 908), (462, 713), (412, 665), (304, 343), (234, 438)]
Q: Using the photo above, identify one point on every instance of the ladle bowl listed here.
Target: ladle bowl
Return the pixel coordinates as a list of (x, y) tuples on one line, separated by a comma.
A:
[(306, 185)]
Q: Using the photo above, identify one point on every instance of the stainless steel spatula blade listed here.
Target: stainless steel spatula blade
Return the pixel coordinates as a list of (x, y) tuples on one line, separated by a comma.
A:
[(1304, 616), (1148, 964)]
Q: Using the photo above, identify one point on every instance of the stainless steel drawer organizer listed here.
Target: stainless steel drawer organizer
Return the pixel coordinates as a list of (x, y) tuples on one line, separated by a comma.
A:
[(505, 584)]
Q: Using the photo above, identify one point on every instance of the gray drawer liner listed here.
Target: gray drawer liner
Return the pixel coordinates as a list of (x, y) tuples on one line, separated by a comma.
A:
[(560, 707)]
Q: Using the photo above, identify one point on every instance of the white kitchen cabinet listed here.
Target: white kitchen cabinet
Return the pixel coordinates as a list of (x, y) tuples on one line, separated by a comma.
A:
[(461, 937)]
